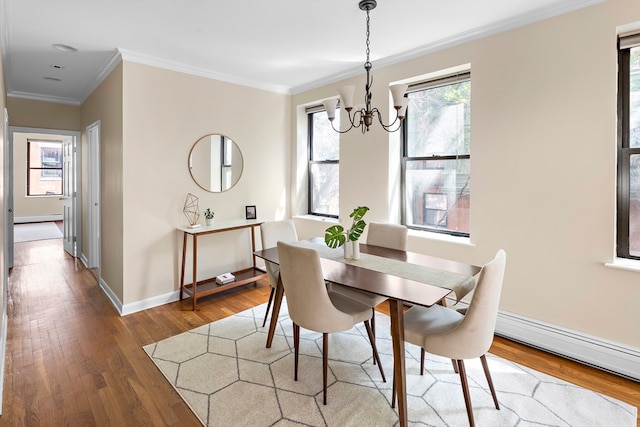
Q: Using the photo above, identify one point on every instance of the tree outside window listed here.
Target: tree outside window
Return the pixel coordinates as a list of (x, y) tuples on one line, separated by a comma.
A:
[(436, 156), (44, 168), (324, 167)]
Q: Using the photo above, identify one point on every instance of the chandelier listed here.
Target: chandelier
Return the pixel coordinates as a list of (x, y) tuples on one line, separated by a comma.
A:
[(363, 117)]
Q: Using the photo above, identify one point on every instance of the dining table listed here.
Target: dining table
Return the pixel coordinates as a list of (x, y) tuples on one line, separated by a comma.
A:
[(403, 277)]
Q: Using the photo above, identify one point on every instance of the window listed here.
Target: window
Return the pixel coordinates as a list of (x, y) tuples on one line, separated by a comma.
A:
[(44, 168), (324, 156), (436, 156), (628, 197)]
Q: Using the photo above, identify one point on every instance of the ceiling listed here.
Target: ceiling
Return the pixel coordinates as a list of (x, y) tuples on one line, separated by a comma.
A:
[(284, 46)]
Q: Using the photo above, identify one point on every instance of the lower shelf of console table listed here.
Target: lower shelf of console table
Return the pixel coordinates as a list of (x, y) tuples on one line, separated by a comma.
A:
[(210, 286)]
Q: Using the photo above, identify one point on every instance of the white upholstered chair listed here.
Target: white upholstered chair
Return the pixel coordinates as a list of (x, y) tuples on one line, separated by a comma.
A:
[(315, 308), (392, 236), (446, 332), (271, 232)]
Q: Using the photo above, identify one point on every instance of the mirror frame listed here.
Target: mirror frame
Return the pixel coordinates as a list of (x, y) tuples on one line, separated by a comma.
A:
[(222, 165)]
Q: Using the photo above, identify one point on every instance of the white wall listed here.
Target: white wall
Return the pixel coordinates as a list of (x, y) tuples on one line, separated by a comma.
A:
[(543, 168)]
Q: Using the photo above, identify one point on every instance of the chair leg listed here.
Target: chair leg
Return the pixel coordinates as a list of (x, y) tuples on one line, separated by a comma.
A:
[(376, 356), (465, 391), (487, 374), (296, 346), (455, 366), (373, 327), (266, 313), (421, 361), (325, 363), (393, 392)]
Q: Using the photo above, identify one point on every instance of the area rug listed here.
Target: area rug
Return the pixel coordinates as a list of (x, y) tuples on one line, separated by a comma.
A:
[(228, 378), (36, 231)]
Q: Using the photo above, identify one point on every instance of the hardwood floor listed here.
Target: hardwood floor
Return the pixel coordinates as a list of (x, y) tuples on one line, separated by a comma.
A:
[(73, 361)]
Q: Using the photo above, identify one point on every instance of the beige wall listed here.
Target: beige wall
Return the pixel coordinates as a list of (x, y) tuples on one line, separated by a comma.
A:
[(40, 114), (105, 104), (543, 167), (165, 113)]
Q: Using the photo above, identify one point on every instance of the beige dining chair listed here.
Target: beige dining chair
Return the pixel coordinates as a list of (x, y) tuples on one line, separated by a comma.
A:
[(392, 236), (448, 333), (312, 306), (271, 232)]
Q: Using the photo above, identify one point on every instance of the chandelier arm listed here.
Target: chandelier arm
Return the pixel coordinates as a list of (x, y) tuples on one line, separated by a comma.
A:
[(352, 122), (390, 125)]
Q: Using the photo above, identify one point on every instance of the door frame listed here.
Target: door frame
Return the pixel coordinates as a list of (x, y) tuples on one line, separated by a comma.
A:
[(93, 206), (76, 169)]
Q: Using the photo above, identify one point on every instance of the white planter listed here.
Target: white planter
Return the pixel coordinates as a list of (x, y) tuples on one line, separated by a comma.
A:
[(348, 249), (209, 221), (355, 250)]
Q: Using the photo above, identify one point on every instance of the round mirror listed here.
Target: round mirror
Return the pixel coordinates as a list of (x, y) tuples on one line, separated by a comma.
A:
[(215, 163)]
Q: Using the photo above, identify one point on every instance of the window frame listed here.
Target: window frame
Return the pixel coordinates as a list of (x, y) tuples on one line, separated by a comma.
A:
[(310, 161), (458, 77), (42, 168), (624, 151)]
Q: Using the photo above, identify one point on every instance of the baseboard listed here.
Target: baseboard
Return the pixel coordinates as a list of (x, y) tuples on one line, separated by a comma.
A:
[(38, 218), (150, 303), (607, 355), (112, 297)]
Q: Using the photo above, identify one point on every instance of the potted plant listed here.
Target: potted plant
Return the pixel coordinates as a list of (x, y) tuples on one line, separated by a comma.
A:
[(336, 236), (208, 216)]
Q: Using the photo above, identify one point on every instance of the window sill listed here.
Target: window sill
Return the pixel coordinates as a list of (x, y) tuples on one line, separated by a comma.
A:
[(624, 264), (466, 241), (317, 218)]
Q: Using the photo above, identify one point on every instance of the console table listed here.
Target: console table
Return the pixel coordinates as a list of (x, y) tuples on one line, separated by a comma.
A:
[(209, 286)]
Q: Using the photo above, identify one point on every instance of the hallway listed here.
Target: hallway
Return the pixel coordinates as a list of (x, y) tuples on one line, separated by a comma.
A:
[(72, 360)]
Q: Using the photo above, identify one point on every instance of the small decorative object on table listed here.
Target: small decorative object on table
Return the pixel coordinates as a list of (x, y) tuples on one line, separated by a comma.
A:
[(208, 216), (250, 212), (191, 210), (336, 236)]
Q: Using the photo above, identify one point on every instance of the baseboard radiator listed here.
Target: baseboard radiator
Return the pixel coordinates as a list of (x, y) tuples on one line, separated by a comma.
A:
[(606, 355)]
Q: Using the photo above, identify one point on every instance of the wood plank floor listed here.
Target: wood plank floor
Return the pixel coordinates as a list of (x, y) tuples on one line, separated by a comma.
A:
[(73, 361)]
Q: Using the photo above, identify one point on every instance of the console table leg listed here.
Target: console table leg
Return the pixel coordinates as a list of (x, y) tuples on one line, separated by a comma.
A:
[(195, 269), (184, 261)]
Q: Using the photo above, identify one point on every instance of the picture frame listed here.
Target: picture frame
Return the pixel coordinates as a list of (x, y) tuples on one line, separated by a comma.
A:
[(250, 212)]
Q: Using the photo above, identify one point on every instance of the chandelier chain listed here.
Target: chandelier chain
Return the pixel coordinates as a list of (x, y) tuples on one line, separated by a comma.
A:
[(367, 64)]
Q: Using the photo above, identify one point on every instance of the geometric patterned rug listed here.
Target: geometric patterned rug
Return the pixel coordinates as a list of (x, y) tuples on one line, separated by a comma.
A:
[(227, 376)]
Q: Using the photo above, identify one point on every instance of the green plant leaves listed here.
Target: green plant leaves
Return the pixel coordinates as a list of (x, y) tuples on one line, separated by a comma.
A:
[(334, 236)]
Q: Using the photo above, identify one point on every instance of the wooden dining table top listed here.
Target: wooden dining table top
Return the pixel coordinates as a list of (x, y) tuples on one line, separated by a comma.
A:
[(420, 292)]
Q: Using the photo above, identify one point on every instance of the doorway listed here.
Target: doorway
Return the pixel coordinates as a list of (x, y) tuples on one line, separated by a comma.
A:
[(63, 206)]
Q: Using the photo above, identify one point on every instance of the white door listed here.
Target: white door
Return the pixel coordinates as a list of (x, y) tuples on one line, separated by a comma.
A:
[(68, 195), (93, 195)]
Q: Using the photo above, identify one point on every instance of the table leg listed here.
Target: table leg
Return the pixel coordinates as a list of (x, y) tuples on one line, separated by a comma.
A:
[(184, 261), (399, 374), (277, 302), (195, 270)]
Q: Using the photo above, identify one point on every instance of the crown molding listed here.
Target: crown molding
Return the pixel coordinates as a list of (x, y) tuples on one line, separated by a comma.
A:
[(458, 39), (139, 58)]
